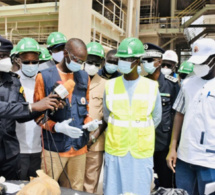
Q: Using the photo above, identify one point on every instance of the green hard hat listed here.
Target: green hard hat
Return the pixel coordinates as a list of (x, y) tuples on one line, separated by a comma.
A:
[(56, 38), (28, 45), (130, 47), (13, 51), (94, 48), (45, 55), (186, 67)]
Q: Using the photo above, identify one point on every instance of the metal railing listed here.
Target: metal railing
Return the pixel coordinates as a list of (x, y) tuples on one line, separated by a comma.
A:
[(117, 15), (176, 21)]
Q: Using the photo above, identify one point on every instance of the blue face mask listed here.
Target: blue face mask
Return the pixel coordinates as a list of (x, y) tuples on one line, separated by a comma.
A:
[(149, 67), (110, 68), (30, 70), (125, 67), (139, 69), (73, 66)]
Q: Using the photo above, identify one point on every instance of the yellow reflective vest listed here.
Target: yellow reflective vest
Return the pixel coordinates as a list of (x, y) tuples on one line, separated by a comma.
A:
[(130, 128)]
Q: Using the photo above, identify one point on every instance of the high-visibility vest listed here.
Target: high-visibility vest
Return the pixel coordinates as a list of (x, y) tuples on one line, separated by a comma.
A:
[(130, 128)]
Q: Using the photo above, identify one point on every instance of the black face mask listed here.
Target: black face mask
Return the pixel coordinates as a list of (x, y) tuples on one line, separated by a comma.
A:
[(182, 75)]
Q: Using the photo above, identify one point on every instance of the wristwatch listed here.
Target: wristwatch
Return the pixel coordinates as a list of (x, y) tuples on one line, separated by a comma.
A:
[(93, 138)]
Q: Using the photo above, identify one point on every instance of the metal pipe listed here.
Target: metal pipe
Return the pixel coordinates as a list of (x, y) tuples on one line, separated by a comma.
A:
[(55, 5), (25, 6), (5, 27)]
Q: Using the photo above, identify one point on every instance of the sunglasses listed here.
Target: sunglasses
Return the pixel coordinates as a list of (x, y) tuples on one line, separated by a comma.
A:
[(167, 65), (30, 62), (74, 58), (93, 63)]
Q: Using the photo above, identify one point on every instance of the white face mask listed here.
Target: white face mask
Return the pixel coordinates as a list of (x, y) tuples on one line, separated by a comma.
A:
[(110, 68), (5, 65), (149, 67), (58, 57), (201, 70), (30, 70), (125, 66), (139, 69), (91, 69), (166, 71)]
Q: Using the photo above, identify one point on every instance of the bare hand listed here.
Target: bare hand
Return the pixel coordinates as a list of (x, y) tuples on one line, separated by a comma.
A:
[(61, 104), (171, 159), (50, 102)]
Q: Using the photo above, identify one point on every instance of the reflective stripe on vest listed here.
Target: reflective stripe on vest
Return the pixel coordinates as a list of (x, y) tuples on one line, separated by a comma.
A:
[(130, 128)]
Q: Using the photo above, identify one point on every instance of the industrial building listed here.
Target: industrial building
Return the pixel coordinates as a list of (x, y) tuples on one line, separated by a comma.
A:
[(171, 24)]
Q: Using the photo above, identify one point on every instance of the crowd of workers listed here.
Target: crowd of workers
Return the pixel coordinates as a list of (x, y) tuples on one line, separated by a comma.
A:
[(133, 106)]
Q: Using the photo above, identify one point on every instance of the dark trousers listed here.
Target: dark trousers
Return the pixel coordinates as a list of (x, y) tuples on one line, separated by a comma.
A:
[(9, 168), (166, 177), (30, 163)]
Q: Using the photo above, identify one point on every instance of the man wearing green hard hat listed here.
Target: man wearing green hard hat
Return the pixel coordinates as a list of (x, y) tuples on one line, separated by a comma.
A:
[(94, 157), (45, 59), (132, 109), (55, 44), (28, 133)]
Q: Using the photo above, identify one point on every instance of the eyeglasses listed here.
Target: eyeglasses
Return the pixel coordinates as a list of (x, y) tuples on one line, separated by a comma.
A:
[(75, 58), (98, 64), (167, 65), (30, 62), (150, 60)]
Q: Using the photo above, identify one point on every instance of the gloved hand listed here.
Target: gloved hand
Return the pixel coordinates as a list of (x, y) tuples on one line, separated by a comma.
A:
[(70, 131), (92, 126)]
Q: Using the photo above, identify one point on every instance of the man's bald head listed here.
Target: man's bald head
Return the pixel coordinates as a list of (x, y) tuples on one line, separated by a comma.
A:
[(77, 47)]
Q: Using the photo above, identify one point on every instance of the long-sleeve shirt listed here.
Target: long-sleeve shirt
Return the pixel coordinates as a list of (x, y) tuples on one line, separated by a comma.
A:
[(40, 94)]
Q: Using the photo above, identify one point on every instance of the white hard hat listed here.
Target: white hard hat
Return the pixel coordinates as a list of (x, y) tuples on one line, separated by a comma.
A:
[(170, 55), (202, 49)]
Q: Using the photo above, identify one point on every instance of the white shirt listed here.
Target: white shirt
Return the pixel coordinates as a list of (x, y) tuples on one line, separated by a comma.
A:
[(196, 101), (28, 133)]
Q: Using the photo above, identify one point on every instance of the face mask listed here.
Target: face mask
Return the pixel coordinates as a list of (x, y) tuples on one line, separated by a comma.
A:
[(125, 67), (30, 70), (73, 66), (149, 67), (139, 69), (91, 69), (110, 68), (5, 65), (166, 71), (201, 70), (58, 57)]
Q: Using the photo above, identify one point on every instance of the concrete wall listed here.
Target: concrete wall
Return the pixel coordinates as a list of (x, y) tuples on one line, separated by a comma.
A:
[(75, 19)]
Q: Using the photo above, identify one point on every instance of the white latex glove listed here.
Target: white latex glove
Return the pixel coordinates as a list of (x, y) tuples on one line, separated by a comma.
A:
[(70, 131), (92, 126)]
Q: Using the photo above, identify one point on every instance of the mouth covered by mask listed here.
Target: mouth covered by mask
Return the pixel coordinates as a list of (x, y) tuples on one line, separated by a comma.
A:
[(148, 67), (73, 66), (91, 69), (110, 68), (166, 71), (139, 69), (201, 70), (125, 67), (58, 57), (30, 70), (5, 65)]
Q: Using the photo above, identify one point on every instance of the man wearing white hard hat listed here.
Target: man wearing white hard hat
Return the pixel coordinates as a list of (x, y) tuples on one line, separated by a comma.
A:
[(194, 121), (169, 62)]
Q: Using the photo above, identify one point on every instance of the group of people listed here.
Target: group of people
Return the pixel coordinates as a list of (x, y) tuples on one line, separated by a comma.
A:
[(129, 106)]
